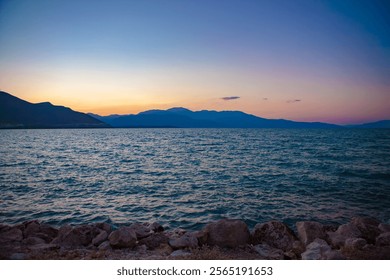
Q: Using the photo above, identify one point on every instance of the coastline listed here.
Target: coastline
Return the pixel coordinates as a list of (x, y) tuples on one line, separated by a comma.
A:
[(361, 238)]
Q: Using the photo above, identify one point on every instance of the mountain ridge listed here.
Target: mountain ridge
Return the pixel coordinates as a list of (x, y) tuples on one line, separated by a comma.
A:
[(18, 113), (181, 117)]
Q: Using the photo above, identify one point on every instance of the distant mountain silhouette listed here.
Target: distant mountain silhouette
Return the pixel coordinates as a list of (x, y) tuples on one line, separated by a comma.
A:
[(17, 113), (182, 117), (378, 124)]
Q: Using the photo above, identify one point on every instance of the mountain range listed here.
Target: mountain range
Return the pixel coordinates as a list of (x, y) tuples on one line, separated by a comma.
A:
[(17, 113), (182, 117)]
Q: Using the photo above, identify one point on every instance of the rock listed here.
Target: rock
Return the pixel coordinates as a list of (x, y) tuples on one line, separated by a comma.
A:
[(297, 248), (227, 233), (188, 240), (309, 231), (154, 241), (31, 228), (164, 249), (100, 238), (202, 236), (275, 234), (43, 231), (338, 238), (124, 237), (383, 239), (355, 243), (269, 252), (368, 227), (105, 246), (141, 231), (33, 241), (103, 226), (48, 230), (78, 236), (320, 250), (384, 227), (11, 235), (179, 253), (156, 227)]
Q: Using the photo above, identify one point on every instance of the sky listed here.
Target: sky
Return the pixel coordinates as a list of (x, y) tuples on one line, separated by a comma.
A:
[(303, 60)]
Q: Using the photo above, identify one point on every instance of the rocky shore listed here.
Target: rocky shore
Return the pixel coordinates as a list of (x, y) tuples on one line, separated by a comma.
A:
[(361, 238)]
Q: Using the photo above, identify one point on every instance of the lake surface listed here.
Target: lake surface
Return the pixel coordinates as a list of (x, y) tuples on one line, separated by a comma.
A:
[(188, 177)]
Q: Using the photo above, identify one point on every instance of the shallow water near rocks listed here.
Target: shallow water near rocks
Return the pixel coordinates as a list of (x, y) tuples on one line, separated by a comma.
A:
[(189, 177)]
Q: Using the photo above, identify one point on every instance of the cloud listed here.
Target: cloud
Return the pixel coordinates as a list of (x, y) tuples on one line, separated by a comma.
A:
[(265, 98), (227, 98), (293, 100)]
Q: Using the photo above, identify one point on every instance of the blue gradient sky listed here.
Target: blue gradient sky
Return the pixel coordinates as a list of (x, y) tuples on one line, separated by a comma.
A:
[(301, 60)]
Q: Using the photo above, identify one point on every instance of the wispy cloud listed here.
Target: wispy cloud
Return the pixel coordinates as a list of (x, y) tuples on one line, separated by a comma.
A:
[(227, 98), (293, 100), (265, 98)]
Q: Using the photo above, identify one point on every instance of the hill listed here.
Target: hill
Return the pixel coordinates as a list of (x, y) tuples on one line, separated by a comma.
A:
[(17, 113), (182, 117)]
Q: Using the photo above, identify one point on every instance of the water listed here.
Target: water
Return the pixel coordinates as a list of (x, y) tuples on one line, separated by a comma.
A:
[(188, 177)]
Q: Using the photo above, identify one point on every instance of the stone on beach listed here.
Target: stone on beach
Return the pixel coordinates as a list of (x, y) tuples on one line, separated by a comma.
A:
[(383, 239), (187, 240), (309, 231), (227, 233), (320, 250), (274, 233), (141, 230), (100, 238), (78, 236), (9, 234), (355, 243), (124, 237), (338, 238), (154, 241), (368, 227)]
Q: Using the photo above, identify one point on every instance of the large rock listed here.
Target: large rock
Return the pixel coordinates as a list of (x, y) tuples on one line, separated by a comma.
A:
[(100, 238), (355, 243), (103, 226), (188, 240), (43, 231), (320, 250), (275, 234), (141, 230), (368, 227), (154, 241), (77, 236), (309, 231), (383, 239), (338, 238), (9, 234), (227, 233), (31, 228), (124, 237)]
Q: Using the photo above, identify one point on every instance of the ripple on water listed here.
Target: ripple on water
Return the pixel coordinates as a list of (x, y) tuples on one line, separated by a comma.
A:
[(188, 177)]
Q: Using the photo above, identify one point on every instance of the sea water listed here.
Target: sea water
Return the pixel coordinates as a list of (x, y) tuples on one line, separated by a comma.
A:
[(189, 177)]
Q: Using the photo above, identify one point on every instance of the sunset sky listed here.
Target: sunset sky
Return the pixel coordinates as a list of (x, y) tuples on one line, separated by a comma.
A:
[(302, 60)]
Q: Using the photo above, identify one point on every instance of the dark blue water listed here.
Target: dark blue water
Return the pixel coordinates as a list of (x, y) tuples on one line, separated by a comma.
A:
[(188, 177)]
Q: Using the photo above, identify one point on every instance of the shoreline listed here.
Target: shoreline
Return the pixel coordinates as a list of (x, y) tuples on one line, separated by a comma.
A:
[(361, 238)]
